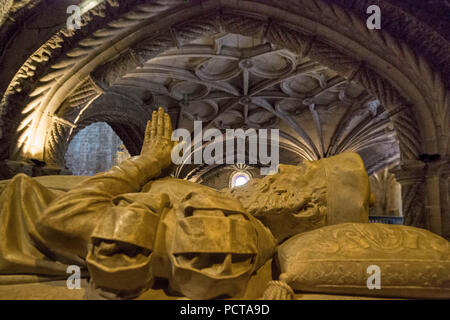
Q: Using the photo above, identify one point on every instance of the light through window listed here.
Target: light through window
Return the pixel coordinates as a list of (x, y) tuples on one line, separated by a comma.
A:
[(239, 179)]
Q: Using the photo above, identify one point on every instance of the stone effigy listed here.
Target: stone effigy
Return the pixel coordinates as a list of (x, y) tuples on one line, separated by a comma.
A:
[(131, 225), (204, 242)]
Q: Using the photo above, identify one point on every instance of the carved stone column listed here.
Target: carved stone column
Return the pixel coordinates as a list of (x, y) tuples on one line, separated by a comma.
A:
[(425, 194), (444, 187), (438, 187), (411, 174)]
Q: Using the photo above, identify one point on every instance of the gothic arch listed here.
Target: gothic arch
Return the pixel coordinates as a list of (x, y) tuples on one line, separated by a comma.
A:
[(426, 97)]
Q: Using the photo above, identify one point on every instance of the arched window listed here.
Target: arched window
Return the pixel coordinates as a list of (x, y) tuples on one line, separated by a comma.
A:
[(239, 178)]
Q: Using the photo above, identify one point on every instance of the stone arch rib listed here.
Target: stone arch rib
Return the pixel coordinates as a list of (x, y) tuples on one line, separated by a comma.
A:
[(251, 23)]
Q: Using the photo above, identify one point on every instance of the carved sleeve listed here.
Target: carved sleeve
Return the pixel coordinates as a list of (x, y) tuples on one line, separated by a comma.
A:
[(70, 219)]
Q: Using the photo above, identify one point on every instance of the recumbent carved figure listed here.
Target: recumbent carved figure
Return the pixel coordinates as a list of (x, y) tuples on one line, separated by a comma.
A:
[(131, 224)]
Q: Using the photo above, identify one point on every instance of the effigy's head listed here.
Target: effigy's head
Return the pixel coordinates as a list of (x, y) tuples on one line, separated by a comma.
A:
[(308, 196), (214, 246)]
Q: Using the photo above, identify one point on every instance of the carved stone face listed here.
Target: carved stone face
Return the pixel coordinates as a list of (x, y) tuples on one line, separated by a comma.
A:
[(215, 247), (290, 202), (309, 196)]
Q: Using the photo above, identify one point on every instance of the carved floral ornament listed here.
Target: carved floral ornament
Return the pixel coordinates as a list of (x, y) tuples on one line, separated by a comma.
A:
[(69, 64)]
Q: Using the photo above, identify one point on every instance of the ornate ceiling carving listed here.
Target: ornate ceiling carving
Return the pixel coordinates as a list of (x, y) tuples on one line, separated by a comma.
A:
[(234, 92), (232, 81)]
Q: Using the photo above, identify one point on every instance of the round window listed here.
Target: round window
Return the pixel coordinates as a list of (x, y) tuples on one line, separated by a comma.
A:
[(239, 179)]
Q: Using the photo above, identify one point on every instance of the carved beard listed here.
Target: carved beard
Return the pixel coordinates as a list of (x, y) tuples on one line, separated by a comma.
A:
[(262, 196), (287, 203), (268, 196)]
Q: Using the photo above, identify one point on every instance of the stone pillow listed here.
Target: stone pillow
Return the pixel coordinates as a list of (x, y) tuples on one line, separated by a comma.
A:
[(413, 262)]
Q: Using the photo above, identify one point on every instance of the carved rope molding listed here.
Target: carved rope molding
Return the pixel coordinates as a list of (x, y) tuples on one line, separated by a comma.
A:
[(61, 131), (402, 51)]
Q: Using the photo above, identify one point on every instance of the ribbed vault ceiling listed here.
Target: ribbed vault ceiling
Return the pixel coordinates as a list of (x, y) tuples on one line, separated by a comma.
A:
[(232, 81), (309, 68)]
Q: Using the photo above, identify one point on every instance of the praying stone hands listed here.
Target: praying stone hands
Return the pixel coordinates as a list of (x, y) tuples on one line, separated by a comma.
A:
[(157, 140)]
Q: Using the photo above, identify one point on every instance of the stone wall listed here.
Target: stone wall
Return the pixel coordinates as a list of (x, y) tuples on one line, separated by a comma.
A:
[(94, 149)]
